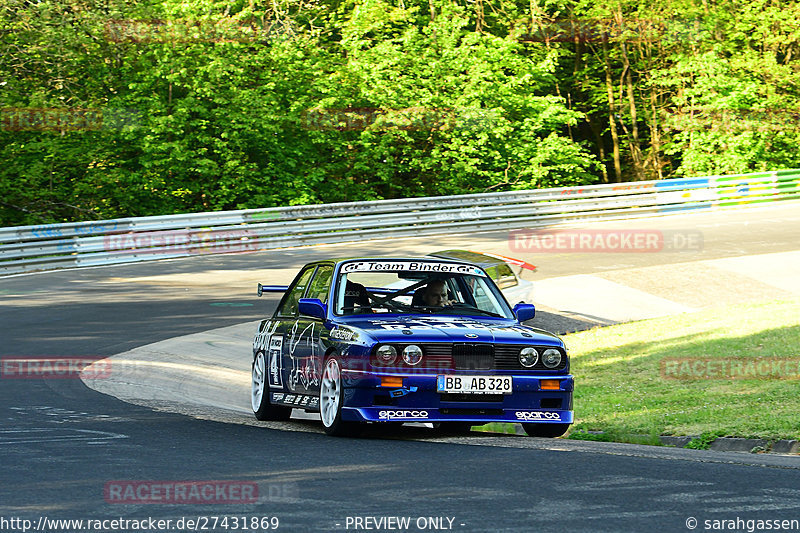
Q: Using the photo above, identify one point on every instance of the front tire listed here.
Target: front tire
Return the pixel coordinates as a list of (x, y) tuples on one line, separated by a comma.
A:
[(259, 393), (548, 431), (331, 400)]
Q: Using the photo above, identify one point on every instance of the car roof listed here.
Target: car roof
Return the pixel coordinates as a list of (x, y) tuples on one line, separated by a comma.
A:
[(483, 261)]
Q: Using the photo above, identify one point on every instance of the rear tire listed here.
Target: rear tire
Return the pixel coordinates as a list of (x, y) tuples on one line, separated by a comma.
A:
[(259, 393), (331, 401), (548, 431)]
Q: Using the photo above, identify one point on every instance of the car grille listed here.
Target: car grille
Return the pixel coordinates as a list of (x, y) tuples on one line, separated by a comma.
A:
[(473, 356), (437, 356)]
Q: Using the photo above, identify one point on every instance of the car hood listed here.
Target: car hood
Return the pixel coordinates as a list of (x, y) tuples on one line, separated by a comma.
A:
[(427, 328)]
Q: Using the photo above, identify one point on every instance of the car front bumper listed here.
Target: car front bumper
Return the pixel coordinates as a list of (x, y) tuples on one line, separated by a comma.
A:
[(417, 400)]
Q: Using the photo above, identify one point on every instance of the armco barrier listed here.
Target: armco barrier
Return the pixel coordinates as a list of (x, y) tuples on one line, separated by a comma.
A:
[(105, 242)]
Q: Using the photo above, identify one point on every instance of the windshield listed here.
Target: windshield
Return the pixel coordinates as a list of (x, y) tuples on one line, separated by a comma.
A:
[(417, 287)]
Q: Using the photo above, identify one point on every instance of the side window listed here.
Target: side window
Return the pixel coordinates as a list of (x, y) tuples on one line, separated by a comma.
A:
[(320, 286), (289, 305), (506, 277), (478, 293), (453, 291)]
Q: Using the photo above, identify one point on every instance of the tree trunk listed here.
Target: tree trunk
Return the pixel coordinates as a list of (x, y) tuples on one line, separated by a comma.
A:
[(601, 150), (612, 111), (635, 145)]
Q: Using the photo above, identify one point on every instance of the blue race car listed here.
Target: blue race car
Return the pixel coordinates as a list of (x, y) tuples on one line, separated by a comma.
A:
[(407, 340)]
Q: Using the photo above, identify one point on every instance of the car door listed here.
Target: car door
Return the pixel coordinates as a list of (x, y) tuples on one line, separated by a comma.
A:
[(304, 344), (286, 319)]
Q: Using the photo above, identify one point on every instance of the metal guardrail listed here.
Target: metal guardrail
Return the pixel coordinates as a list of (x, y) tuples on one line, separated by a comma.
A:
[(105, 242)]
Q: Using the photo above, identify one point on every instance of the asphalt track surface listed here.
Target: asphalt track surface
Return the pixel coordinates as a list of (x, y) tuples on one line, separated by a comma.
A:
[(62, 442)]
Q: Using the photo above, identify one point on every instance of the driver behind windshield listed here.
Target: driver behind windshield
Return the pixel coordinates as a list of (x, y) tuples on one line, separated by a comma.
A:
[(435, 294)]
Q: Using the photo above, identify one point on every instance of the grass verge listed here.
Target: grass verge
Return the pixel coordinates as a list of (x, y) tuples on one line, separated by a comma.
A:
[(731, 371)]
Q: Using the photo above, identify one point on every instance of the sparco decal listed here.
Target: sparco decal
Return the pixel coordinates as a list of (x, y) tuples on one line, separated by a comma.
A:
[(390, 415), (537, 415)]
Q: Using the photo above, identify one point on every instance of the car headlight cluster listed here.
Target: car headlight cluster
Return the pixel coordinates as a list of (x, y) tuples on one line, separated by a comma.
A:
[(529, 356), (551, 358), (386, 355), (412, 354)]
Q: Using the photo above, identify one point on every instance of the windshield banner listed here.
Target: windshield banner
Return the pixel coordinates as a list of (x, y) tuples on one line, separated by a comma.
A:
[(411, 266)]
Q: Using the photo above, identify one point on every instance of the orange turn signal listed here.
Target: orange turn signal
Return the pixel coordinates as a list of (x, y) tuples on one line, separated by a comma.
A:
[(391, 382), (550, 384)]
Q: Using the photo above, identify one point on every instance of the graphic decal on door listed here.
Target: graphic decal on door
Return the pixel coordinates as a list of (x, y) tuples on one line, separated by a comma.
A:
[(304, 369)]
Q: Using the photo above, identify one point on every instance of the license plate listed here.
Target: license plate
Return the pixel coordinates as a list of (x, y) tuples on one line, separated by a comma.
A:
[(475, 384)]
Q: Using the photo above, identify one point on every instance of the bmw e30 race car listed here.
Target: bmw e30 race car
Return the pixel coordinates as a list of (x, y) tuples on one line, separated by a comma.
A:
[(407, 340)]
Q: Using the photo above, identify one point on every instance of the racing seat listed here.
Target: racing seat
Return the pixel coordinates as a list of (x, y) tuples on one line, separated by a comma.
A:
[(417, 298), (355, 296)]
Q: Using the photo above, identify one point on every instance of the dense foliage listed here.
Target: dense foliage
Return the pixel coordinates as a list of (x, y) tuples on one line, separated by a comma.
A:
[(116, 108)]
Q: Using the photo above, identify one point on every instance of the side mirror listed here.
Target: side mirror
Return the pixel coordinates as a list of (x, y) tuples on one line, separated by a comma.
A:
[(313, 307), (524, 312)]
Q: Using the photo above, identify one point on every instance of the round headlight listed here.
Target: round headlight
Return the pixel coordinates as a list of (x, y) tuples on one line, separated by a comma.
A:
[(386, 355), (412, 354), (528, 357), (551, 358)]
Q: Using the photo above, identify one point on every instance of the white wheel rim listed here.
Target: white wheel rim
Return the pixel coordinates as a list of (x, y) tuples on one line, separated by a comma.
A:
[(330, 392), (257, 389)]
